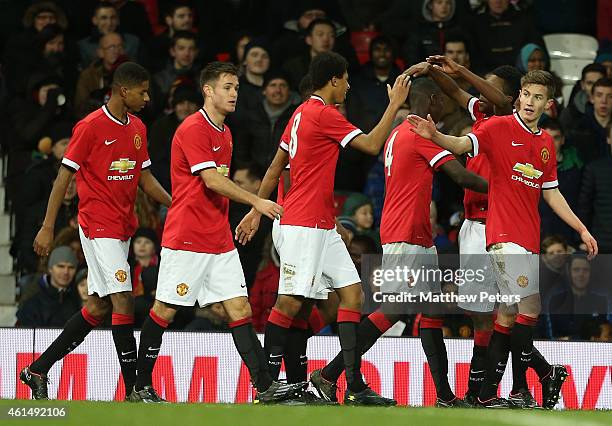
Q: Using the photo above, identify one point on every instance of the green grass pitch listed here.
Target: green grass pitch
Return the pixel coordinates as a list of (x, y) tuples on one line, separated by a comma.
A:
[(117, 414)]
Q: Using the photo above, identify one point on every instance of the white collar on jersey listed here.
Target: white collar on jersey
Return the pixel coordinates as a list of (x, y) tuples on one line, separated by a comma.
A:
[(524, 126), (113, 118), (319, 98), (207, 118)]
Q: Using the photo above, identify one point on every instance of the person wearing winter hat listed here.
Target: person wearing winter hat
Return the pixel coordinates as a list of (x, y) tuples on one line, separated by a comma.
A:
[(145, 245), (54, 300)]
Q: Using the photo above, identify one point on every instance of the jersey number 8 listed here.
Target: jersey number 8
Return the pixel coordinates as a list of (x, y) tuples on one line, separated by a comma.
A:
[(293, 143)]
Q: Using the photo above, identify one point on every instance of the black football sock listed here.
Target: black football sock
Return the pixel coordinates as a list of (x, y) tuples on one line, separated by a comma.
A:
[(435, 351), (497, 358), (521, 345), (247, 344), (347, 332), (275, 340), (148, 350), (125, 345), (479, 361), (368, 332), (75, 331), (296, 361), (539, 364)]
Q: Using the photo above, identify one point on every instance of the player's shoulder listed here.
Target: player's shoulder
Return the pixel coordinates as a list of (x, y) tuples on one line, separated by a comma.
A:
[(135, 120), (195, 120), (92, 119)]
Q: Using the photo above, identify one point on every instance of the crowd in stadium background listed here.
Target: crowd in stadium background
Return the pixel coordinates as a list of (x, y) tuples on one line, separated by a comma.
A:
[(57, 64)]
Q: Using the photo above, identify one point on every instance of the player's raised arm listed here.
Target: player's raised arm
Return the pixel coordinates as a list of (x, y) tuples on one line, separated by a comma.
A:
[(444, 67), (445, 82), (465, 178), (373, 142), (153, 188), (44, 238), (558, 204), (427, 129)]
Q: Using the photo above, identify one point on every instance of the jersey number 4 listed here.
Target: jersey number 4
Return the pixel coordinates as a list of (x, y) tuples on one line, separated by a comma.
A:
[(293, 142), (389, 153)]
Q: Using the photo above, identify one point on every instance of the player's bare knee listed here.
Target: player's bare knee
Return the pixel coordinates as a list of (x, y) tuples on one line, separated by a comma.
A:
[(530, 306), (97, 307), (289, 305), (237, 308), (482, 322), (123, 303), (164, 310), (351, 297), (506, 319)]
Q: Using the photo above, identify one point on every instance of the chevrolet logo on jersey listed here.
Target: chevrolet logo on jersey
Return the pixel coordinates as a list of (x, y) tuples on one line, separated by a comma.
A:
[(527, 170), (122, 165), (223, 169)]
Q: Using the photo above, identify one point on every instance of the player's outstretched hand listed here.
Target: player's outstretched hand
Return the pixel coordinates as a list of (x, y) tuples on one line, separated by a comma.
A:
[(424, 128), (43, 240), (417, 70), (399, 92), (247, 227), (445, 64), (590, 243), (268, 208)]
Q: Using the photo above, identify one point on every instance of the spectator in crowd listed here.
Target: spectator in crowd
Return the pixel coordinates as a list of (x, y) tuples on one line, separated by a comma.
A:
[(366, 103), (498, 32), (53, 299), (147, 212), (533, 57), (554, 255), (358, 207), (580, 97), (30, 204), (428, 36), (143, 250), (440, 239), (588, 134), (18, 60), (80, 281), (573, 310), (263, 292), (258, 134), (456, 48), (256, 64), (290, 42), (69, 236), (94, 84), (105, 21), (177, 17), (240, 41), (134, 18), (180, 69), (569, 174), (604, 58), (185, 101), (320, 37), (595, 201), (248, 176)]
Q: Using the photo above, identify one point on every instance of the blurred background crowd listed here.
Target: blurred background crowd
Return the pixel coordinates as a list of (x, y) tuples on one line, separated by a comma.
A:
[(57, 62)]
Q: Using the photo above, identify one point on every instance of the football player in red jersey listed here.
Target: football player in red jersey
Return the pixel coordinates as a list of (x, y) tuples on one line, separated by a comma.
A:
[(406, 235), (498, 93), (524, 159), (199, 261), (108, 153), (314, 259)]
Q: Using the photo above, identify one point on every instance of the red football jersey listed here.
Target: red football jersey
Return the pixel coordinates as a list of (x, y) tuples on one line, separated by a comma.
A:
[(475, 203), (524, 164), (410, 162), (107, 156), (198, 217), (317, 133)]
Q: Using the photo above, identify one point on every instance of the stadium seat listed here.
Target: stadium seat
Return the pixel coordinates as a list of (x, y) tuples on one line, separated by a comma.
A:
[(567, 92), (569, 70), (578, 46)]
